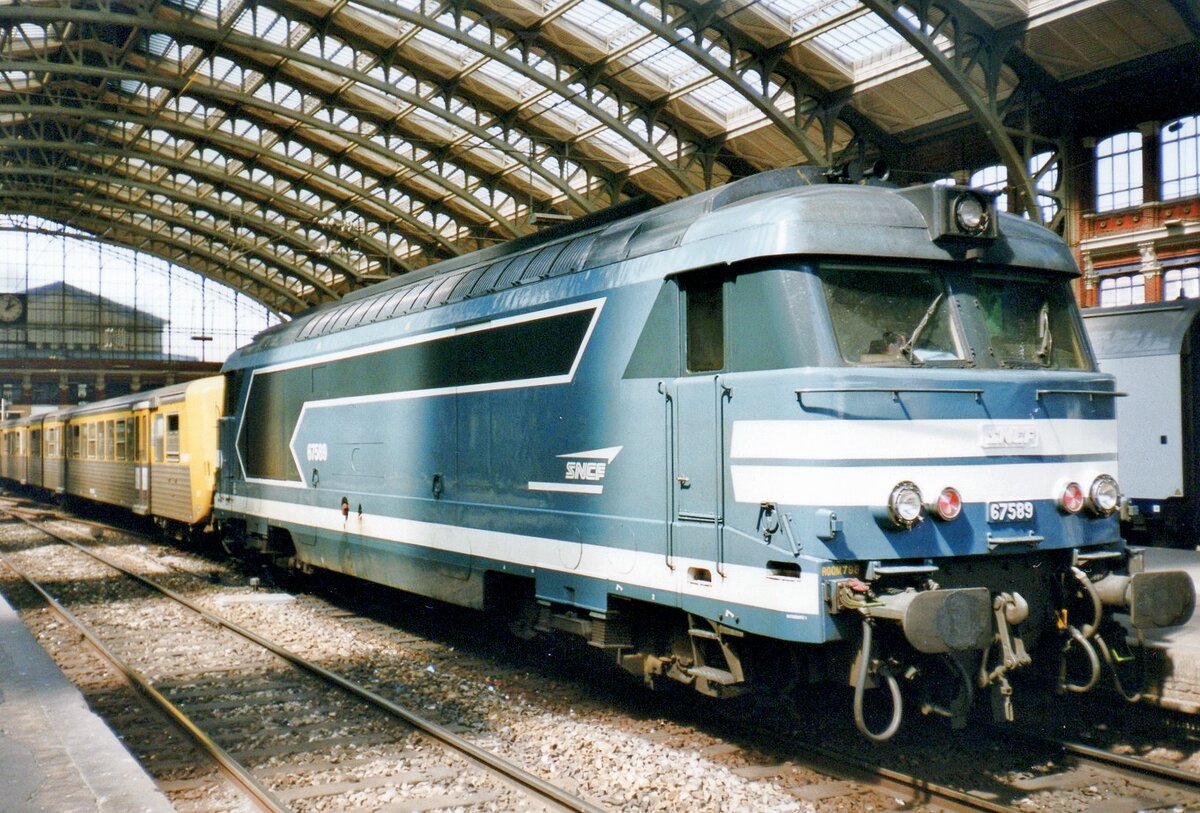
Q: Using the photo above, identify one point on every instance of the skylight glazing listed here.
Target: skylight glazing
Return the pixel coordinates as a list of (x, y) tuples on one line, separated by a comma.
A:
[(442, 139), (860, 39)]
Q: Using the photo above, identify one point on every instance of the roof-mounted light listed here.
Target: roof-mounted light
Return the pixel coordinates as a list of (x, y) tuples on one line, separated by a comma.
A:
[(971, 214), (955, 213)]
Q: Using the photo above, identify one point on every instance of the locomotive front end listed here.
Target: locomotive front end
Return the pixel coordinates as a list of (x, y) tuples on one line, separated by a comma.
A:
[(974, 445)]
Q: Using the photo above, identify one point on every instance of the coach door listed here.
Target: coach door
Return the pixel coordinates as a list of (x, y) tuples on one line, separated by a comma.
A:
[(141, 457), (698, 415)]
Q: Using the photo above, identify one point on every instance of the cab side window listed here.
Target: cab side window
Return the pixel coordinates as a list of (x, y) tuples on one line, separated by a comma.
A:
[(704, 324)]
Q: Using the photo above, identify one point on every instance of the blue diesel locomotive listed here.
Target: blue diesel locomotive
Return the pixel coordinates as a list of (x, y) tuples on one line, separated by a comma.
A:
[(783, 431)]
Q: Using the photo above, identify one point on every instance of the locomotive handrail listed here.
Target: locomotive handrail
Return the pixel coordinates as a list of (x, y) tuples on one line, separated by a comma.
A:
[(1029, 539), (1089, 393), (895, 391)]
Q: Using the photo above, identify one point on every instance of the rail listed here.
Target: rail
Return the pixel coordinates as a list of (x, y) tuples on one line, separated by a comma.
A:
[(544, 790)]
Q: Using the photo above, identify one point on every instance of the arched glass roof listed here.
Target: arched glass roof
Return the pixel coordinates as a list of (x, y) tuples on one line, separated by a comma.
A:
[(299, 149)]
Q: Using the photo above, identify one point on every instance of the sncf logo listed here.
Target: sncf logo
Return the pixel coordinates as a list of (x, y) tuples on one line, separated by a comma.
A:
[(579, 470), (590, 465), (1008, 436), (583, 472)]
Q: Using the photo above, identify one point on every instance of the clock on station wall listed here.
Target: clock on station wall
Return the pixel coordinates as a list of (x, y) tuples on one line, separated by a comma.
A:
[(12, 308)]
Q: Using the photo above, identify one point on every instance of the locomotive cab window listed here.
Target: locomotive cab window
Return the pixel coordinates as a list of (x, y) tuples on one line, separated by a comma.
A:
[(1031, 322), (895, 317), (704, 322)]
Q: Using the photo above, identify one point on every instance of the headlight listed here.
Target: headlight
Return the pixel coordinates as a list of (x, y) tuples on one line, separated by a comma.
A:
[(1104, 496), (948, 505), (1071, 499), (905, 504), (971, 213)]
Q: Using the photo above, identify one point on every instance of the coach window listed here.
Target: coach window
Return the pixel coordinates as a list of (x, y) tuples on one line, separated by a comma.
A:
[(173, 438), (109, 440), (704, 320), (120, 440), (93, 438), (35, 443), (157, 437)]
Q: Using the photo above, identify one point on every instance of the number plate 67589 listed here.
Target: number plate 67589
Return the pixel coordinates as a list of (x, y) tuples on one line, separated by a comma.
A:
[(1010, 511)]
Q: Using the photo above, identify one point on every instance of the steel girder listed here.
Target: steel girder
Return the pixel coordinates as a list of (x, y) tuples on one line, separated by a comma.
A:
[(490, 107), (411, 131), (970, 47), (187, 251), (205, 35), (300, 176), (1189, 12), (119, 154), (497, 47), (276, 118), (304, 176), (120, 49), (135, 192)]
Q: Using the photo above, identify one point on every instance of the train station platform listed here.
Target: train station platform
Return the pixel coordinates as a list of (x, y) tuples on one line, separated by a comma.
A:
[(56, 756)]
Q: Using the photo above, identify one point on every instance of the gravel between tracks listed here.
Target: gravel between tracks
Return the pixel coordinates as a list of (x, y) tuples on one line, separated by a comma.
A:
[(567, 718), (619, 762)]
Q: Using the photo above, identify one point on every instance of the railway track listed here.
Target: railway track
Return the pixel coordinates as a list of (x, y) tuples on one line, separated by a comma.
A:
[(831, 779), (1149, 785), (289, 733)]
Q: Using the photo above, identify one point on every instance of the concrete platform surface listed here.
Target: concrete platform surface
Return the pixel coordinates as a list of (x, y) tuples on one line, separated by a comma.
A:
[(56, 756)]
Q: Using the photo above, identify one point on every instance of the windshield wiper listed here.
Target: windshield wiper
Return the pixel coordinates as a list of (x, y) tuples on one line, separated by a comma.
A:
[(1047, 341), (907, 347)]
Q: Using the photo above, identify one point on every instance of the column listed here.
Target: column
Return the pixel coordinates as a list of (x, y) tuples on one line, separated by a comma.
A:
[(1151, 172), (1152, 269), (1088, 293)]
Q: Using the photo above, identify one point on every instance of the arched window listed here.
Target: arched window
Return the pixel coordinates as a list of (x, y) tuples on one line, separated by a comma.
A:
[(993, 179), (1119, 172), (1127, 290), (1181, 158), (1181, 283)]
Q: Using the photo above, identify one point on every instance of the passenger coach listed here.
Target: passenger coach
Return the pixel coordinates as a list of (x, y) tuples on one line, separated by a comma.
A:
[(153, 452)]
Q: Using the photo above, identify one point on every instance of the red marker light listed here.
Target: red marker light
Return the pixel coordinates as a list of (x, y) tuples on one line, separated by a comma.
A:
[(949, 504), (1072, 498)]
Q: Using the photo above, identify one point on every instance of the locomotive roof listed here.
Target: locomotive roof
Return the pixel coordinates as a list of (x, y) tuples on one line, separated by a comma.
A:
[(783, 212), (1154, 329)]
